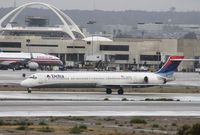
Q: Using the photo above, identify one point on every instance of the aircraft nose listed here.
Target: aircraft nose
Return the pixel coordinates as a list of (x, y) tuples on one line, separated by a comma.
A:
[(25, 83)]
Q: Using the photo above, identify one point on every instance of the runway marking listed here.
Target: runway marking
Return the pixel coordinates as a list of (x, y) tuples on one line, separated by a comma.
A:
[(97, 113)]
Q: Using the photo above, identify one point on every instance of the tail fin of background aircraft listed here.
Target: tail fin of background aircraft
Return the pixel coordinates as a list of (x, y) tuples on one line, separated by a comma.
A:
[(170, 66)]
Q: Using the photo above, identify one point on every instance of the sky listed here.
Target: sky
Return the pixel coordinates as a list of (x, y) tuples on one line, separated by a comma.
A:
[(115, 5)]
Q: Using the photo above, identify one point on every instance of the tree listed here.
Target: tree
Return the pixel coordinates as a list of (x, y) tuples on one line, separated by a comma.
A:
[(184, 130), (187, 130), (195, 130)]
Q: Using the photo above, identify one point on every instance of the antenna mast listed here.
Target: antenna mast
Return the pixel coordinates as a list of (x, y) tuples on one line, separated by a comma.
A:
[(15, 4)]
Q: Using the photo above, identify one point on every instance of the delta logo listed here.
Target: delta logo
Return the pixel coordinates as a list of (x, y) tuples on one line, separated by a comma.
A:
[(55, 76)]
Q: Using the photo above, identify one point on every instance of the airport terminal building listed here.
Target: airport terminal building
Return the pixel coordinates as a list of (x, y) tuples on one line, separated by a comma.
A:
[(69, 42)]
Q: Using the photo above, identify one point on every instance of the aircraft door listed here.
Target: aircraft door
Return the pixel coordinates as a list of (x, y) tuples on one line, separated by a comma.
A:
[(134, 79), (42, 80)]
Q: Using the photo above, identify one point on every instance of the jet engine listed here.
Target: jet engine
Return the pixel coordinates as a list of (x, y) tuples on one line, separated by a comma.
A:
[(33, 66), (164, 81)]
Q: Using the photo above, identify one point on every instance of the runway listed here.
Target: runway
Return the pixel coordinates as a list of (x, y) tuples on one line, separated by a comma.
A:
[(95, 96), (98, 108), (94, 104)]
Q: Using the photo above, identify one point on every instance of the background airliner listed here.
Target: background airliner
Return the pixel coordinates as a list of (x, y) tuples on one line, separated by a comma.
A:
[(31, 60), (108, 80)]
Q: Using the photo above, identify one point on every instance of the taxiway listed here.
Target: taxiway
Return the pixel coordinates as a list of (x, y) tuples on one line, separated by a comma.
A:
[(94, 104), (98, 108), (95, 96)]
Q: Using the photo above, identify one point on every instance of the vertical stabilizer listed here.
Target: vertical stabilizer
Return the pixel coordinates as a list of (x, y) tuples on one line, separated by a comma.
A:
[(170, 66)]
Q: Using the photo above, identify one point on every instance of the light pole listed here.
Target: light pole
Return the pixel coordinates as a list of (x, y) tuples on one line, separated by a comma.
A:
[(92, 45), (158, 59), (28, 41), (91, 23)]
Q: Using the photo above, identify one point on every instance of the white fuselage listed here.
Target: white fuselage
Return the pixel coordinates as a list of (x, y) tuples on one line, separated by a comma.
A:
[(91, 79)]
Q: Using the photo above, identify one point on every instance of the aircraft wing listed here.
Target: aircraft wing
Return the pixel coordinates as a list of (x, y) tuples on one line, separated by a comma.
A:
[(9, 83), (14, 62), (107, 85), (147, 85), (183, 84), (8, 62)]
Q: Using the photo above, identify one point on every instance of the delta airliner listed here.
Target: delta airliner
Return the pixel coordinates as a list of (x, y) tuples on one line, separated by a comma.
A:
[(107, 80)]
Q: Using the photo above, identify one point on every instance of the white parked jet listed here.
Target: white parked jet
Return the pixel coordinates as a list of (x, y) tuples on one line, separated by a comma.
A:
[(13, 60), (108, 80)]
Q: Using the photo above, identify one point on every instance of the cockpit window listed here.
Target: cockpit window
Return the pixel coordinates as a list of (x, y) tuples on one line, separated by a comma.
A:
[(33, 77)]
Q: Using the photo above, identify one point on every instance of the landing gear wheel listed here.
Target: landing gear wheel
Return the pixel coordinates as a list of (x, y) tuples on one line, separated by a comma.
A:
[(108, 91), (29, 90), (120, 91)]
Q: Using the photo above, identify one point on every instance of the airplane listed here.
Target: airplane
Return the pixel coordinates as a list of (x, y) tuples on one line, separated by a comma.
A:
[(32, 60), (108, 80)]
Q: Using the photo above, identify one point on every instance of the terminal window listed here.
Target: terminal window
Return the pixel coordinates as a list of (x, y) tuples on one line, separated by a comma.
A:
[(121, 57), (8, 51), (150, 57), (114, 48), (10, 44), (75, 57), (41, 45), (75, 46)]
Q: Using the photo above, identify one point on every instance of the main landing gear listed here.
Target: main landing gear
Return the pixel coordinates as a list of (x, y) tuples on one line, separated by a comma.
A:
[(109, 91), (120, 91), (29, 90)]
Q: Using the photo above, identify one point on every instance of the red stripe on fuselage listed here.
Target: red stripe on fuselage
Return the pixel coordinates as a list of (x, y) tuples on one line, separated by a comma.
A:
[(39, 61)]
